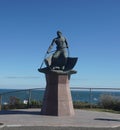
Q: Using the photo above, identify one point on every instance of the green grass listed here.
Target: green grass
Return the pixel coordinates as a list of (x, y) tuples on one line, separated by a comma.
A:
[(102, 110)]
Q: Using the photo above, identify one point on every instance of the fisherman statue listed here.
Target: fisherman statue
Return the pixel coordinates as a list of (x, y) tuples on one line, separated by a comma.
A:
[(60, 59)]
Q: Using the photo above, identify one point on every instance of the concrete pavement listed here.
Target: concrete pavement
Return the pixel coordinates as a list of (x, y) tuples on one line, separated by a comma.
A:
[(24, 119)]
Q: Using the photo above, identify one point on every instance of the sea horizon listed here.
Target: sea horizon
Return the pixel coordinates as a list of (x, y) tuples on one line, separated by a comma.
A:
[(36, 94)]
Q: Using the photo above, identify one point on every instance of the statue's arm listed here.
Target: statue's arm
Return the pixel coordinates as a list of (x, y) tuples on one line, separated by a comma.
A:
[(51, 46), (66, 43)]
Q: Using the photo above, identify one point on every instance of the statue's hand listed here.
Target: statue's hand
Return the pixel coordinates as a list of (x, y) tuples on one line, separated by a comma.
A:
[(47, 52)]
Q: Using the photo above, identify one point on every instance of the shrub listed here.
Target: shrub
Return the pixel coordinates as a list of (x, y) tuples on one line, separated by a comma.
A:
[(35, 104), (110, 102), (80, 105), (14, 103)]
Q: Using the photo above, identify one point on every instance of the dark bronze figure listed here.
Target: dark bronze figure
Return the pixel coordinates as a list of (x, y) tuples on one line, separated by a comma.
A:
[(60, 59)]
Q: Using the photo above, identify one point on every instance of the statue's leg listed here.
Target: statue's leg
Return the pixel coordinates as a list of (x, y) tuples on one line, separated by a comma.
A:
[(56, 54), (55, 59), (59, 59), (64, 58)]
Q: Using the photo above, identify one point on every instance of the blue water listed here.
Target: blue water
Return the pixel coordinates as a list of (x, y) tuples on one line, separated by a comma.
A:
[(37, 95)]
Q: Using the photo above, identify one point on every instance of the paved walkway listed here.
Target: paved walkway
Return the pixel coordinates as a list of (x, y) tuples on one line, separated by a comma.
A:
[(82, 118)]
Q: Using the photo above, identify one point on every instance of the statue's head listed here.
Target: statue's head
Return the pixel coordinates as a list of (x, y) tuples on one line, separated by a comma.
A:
[(59, 33)]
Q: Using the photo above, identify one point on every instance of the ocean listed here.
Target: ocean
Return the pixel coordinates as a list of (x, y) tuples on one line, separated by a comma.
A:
[(83, 95)]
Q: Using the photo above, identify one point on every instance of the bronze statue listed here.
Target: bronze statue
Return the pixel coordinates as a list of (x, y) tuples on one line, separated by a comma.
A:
[(60, 59)]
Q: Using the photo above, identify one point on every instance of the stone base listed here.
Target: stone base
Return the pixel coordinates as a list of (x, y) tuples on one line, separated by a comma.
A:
[(57, 98)]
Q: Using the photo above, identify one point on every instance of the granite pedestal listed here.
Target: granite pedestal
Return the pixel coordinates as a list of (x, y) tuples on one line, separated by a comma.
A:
[(57, 98)]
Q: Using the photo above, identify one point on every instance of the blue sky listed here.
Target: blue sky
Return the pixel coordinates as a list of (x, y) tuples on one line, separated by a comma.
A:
[(92, 29)]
